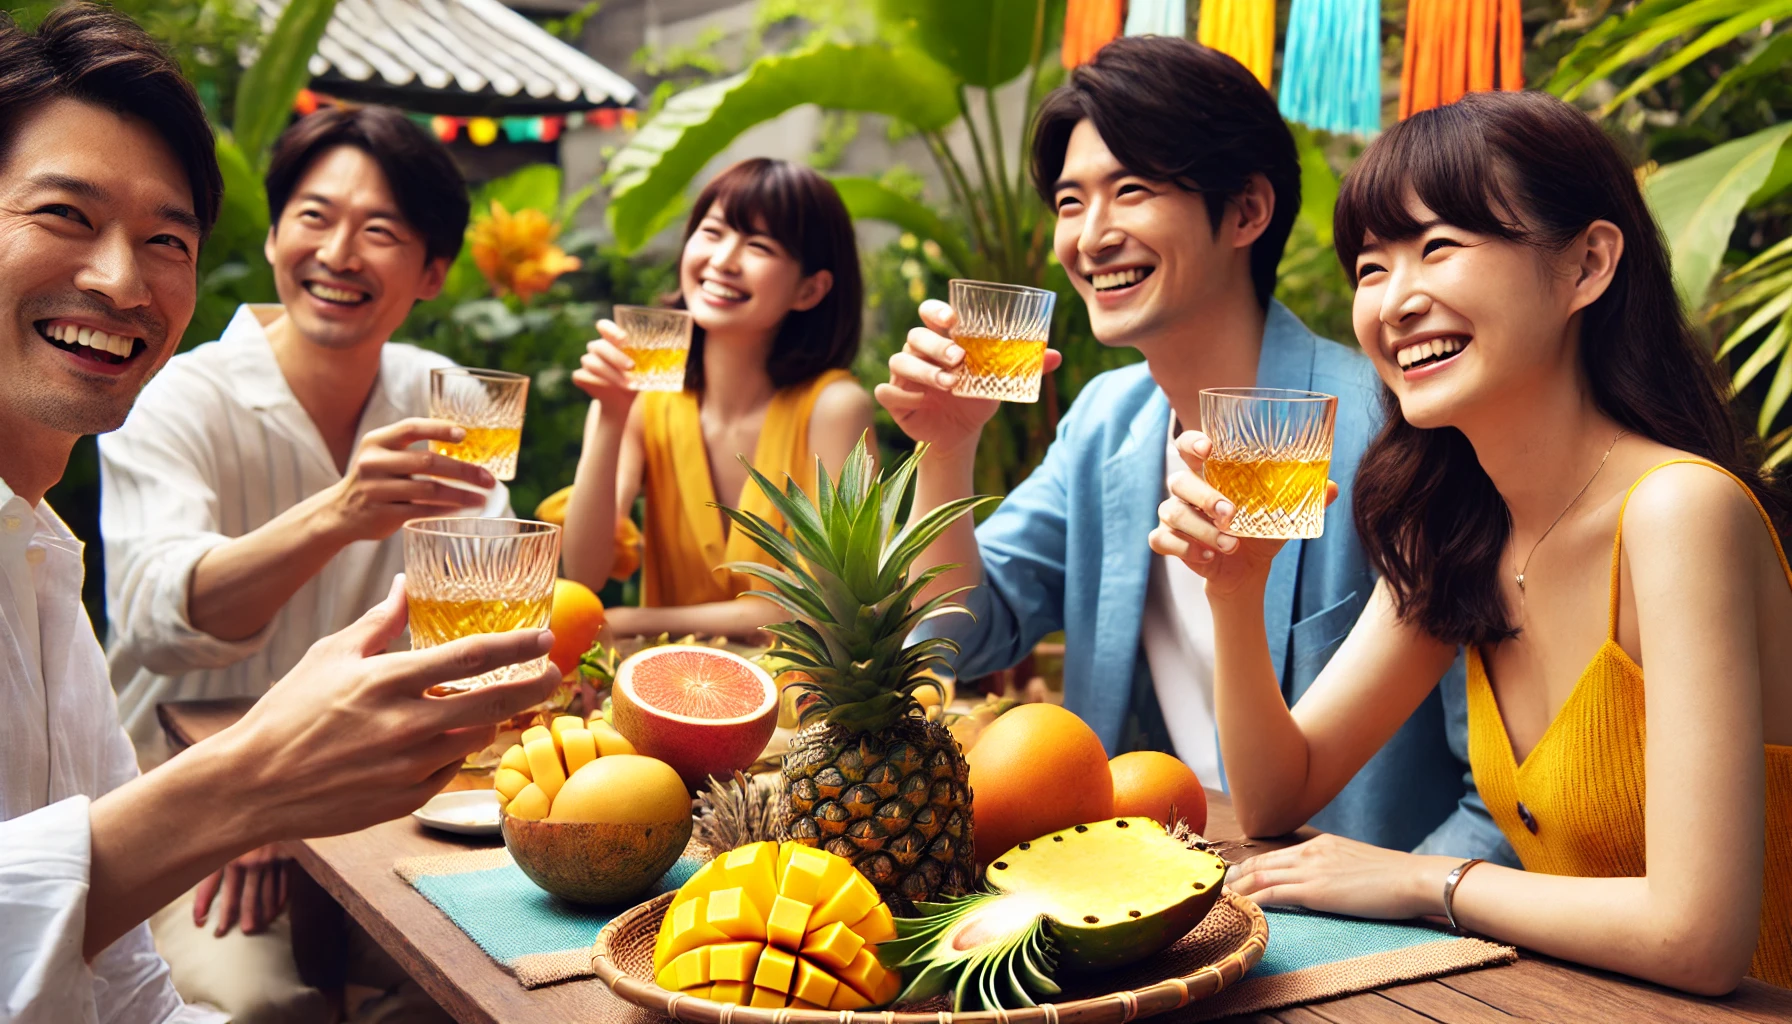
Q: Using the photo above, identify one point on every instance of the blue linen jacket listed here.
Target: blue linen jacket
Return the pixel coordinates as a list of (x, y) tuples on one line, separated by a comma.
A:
[(1067, 550)]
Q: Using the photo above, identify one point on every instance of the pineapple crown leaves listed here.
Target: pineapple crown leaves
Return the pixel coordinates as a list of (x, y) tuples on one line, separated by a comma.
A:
[(843, 574), (856, 514)]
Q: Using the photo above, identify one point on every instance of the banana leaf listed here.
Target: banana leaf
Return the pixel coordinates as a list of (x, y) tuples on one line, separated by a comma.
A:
[(265, 96), (648, 176), (1696, 201)]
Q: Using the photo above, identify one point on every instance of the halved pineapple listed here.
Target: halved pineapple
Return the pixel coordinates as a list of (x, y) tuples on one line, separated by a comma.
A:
[(776, 925), (1087, 898)]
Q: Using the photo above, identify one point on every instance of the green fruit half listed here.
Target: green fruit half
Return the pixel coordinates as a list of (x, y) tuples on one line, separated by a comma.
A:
[(1087, 898)]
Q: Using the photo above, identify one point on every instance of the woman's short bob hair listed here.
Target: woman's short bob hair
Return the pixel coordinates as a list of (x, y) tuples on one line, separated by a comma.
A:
[(800, 210), (1528, 168)]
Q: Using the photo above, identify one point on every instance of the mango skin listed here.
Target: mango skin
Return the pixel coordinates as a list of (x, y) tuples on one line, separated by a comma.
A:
[(589, 862)]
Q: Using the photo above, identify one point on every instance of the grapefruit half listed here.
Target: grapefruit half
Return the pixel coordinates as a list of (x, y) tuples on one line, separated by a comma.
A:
[(702, 710)]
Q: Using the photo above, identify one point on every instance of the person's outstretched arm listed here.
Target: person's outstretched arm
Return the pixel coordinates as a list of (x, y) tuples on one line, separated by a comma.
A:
[(919, 397), (349, 738), (1692, 921), (184, 596), (1283, 765), (609, 471)]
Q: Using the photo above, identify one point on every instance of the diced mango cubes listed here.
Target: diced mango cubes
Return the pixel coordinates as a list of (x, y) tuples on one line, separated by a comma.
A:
[(877, 926), (530, 803), (544, 765), (608, 740), (734, 961), (776, 925), (803, 874), (687, 970), (767, 998), (578, 749), (847, 998), (509, 782), (813, 984), (690, 929), (777, 969), (864, 973), (752, 869), (850, 902), (557, 728), (833, 947), (785, 925), (733, 914), (566, 744)]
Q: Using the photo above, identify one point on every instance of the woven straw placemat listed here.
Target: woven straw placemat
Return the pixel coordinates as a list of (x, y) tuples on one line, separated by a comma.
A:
[(1312, 957)]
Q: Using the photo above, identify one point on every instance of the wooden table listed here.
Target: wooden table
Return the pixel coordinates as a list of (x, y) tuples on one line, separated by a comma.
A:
[(356, 870)]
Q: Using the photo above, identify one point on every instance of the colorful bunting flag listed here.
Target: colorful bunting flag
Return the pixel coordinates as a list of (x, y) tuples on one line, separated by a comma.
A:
[(482, 131), (1157, 18), (1331, 65), (1089, 25), (1244, 29), (1454, 47)]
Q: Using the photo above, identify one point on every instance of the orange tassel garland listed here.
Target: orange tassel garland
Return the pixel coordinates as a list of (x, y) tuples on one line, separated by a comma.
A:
[(1455, 47)]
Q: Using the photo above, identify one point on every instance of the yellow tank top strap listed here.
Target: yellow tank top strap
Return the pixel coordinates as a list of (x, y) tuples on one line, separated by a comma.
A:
[(1611, 622), (685, 543)]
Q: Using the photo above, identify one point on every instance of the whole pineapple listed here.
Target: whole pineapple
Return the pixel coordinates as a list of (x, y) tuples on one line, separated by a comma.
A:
[(868, 777)]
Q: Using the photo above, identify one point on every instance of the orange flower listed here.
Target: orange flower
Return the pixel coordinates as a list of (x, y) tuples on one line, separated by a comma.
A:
[(516, 251)]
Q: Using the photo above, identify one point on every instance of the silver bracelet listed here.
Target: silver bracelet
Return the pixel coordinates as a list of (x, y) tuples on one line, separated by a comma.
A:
[(1450, 882)]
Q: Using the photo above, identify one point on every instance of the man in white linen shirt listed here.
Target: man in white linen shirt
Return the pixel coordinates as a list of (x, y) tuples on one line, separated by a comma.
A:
[(253, 500), (108, 184)]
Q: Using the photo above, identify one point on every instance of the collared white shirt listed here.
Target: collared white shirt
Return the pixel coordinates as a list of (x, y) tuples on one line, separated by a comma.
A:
[(60, 747), (1177, 634), (216, 446)]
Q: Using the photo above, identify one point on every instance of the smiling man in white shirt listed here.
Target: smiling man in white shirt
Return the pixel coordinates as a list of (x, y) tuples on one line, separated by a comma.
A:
[(252, 501), (108, 184)]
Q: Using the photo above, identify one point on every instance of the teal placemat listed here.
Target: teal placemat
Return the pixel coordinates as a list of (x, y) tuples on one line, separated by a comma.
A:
[(1313, 956), (1300, 939), (541, 938)]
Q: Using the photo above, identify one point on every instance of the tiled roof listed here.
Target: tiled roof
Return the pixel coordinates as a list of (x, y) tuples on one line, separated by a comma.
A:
[(454, 57)]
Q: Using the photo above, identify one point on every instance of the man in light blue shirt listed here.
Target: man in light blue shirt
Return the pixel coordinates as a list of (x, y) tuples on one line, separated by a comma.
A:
[(1175, 184)]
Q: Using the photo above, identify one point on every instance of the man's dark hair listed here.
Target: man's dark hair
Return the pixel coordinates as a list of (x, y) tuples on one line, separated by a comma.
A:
[(1171, 110), (428, 187), (94, 54)]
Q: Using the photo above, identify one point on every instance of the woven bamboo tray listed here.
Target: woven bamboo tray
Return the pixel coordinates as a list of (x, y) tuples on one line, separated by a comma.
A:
[(1227, 943)]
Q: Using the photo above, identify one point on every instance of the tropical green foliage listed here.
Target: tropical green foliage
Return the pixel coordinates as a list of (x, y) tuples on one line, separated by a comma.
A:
[(204, 35), (543, 338), (927, 65), (1706, 72)]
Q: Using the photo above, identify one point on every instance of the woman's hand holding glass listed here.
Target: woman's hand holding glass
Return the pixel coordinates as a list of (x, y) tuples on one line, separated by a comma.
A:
[(1193, 521), (603, 371)]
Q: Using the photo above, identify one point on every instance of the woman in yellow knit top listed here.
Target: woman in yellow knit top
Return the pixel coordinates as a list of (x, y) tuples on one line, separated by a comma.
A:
[(1561, 489), (770, 274)]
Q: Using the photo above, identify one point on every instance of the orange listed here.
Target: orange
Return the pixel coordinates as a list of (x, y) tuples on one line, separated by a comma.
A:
[(1035, 770), (1155, 785), (576, 618)]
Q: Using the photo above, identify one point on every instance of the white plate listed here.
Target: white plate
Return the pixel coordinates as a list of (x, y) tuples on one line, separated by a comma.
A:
[(472, 812)]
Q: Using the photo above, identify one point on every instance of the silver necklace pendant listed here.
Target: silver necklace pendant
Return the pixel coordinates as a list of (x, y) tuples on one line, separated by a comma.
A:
[(1521, 582)]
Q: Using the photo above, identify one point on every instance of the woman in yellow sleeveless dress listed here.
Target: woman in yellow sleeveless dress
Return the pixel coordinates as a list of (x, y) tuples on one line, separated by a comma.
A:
[(770, 274), (1561, 490)]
